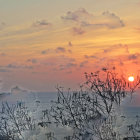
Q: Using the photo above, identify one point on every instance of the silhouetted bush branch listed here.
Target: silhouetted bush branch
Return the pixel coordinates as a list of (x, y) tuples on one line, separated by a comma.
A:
[(86, 110), (89, 112), (14, 120)]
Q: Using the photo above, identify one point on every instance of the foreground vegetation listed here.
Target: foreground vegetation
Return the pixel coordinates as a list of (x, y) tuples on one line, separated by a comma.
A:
[(89, 113)]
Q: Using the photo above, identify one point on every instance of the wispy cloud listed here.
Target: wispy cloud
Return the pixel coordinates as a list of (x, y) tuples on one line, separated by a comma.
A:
[(2, 25), (47, 51), (78, 31), (90, 56), (41, 23), (134, 56), (82, 64), (2, 54), (85, 19), (70, 44), (43, 52), (70, 51), (4, 70), (79, 15), (30, 29), (60, 49), (13, 66), (33, 60), (67, 66), (117, 47)]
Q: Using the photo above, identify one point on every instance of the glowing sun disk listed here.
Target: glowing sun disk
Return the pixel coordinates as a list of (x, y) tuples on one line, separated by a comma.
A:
[(131, 78)]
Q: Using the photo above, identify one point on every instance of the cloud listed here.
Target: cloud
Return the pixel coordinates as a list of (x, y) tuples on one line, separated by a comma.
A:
[(133, 56), (77, 16), (121, 63), (137, 29), (33, 61), (60, 49), (121, 59), (17, 90), (45, 51), (70, 44), (2, 25), (27, 67), (70, 51), (90, 56), (4, 70), (78, 31), (60, 62), (41, 23), (117, 47), (22, 31), (67, 66), (2, 54), (69, 72), (111, 20), (82, 64), (85, 19), (13, 66)]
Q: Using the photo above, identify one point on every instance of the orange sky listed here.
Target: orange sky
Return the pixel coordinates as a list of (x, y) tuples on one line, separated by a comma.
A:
[(45, 43)]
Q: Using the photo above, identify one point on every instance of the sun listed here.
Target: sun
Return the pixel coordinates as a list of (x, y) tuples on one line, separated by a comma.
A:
[(131, 78)]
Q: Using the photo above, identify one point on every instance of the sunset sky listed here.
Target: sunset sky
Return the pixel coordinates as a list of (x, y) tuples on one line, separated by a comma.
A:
[(48, 42)]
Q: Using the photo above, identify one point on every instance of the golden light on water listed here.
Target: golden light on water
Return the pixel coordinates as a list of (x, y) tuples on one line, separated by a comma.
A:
[(131, 78)]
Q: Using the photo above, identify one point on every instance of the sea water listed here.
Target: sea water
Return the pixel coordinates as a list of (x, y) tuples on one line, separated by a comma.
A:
[(38, 101)]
